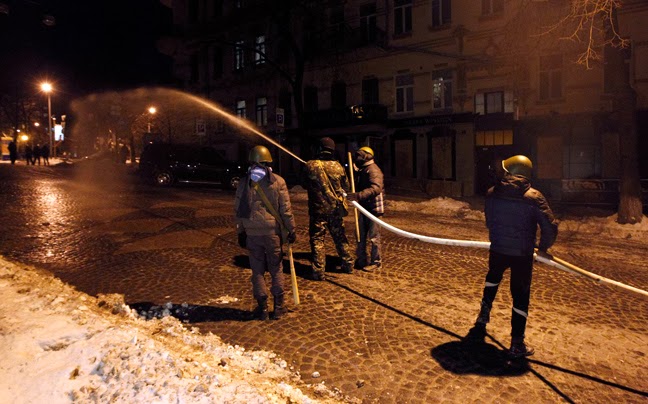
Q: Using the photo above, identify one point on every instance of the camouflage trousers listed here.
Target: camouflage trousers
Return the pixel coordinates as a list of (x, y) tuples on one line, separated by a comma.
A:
[(317, 230)]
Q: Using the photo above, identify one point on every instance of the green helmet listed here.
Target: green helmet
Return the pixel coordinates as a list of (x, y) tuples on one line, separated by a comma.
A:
[(260, 154), (518, 165)]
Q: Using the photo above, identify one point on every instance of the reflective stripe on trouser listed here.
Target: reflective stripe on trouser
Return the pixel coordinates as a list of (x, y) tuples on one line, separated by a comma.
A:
[(317, 230), (369, 231), (521, 270), (265, 255)]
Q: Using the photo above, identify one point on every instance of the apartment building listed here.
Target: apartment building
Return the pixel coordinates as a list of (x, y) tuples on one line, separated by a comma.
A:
[(442, 90)]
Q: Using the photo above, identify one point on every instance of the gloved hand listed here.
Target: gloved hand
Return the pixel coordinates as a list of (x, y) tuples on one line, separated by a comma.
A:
[(242, 239), (292, 237), (352, 197)]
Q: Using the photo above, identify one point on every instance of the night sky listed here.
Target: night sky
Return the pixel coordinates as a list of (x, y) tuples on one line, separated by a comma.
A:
[(94, 45)]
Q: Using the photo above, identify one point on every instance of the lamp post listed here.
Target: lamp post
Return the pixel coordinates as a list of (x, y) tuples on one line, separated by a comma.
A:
[(47, 89), (152, 111)]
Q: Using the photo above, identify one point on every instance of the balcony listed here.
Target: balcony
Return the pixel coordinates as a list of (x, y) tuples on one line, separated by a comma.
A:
[(361, 114)]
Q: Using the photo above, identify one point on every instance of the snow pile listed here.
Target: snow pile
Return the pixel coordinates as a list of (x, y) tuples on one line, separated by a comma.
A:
[(60, 345), (441, 206), (607, 227)]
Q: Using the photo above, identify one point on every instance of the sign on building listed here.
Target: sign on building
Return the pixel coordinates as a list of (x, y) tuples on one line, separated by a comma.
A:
[(201, 127)]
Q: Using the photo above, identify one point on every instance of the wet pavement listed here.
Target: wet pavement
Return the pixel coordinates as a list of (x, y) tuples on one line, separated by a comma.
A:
[(388, 336)]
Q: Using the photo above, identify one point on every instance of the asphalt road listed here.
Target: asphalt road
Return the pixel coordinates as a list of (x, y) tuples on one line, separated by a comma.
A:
[(390, 336)]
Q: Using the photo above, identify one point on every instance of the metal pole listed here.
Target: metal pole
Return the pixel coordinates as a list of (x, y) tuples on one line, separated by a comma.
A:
[(49, 125), (355, 211)]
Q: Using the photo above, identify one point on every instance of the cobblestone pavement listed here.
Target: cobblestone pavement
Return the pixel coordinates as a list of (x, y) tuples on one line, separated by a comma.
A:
[(389, 336)]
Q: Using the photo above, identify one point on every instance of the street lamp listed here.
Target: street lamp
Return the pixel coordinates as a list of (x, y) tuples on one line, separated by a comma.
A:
[(152, 111), (47, 89)]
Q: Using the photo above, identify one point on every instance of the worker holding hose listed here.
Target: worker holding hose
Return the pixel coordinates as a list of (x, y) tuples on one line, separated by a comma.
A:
[(514, 210), (370, 194)]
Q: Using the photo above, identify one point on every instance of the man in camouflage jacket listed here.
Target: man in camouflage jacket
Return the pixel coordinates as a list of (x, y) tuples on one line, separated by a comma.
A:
[(326, 183)]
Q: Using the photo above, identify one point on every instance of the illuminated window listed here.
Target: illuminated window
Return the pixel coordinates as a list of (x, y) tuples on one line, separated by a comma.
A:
[(493, 137), (442, 89), (402, 16), (404, 93), (260, 48)]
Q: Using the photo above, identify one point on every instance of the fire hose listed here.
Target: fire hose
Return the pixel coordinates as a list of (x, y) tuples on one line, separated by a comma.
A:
[(538, 255)]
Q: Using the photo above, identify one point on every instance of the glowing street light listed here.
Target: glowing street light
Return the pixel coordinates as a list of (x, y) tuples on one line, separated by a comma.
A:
[(152, 111), (47, 89)]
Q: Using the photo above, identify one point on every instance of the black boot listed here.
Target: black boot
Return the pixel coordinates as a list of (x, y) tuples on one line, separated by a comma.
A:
[(279, 308), (261, 312)]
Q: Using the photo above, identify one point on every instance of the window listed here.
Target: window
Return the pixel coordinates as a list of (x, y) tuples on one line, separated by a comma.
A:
[(370, 91), (261, 111), (441, 12), (239, 4), (338, 94), (285, 102), (442, 89), (217, 71), (368, 22), (310, 99), (490, 7), (550, 77), (240, 109), (194, 74), (239, 55), (404, 93), (493, 137), (260, 48), (402, 16), (494, 102)]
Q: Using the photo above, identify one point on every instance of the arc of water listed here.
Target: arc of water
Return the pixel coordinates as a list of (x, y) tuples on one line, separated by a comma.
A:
[(238, 122), (545, 258)]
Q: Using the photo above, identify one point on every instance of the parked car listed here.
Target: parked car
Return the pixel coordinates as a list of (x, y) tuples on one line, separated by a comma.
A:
[(167, 163)]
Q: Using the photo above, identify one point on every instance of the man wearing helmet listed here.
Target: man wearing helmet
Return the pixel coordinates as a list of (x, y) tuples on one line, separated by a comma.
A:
[(513, 211), (370, 187), (264, 220), (326, 183)]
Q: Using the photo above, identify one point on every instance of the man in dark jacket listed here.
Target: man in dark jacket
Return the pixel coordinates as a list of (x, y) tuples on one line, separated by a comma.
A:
[(326, 183), (370, 195), (264, 220), (514, 210)]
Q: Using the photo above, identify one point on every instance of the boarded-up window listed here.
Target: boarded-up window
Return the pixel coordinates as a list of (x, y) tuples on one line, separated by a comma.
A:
[(549, 162)]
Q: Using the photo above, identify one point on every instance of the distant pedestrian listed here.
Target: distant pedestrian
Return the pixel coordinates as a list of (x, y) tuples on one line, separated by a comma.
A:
[(13, 152), (29, 155), (514, 210), (37, 154), (370, 195), (264, 220), (45, 152), (326, 183)]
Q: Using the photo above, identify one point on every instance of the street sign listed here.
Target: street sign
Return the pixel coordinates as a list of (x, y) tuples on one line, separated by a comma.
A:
[(201, 127)]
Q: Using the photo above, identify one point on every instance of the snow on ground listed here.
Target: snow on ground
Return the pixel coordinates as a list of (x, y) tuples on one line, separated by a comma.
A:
[(61, 346)]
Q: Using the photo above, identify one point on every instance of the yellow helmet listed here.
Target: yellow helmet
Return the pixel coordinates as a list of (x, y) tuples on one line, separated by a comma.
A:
[(260, 154), (368, 150), (518, 165)]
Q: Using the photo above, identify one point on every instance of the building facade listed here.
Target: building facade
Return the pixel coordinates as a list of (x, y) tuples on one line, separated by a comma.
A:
[(442, 90)]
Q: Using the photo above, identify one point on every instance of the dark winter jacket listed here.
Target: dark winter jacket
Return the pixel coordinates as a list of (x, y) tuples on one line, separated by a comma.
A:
[(514, 210), (371, 187), (253, 217), (322, 200)]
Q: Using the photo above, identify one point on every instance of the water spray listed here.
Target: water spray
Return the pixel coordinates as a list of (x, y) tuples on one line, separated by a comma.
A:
[(237, 121)]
